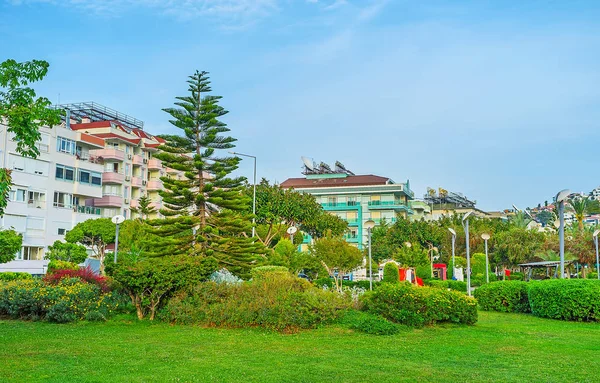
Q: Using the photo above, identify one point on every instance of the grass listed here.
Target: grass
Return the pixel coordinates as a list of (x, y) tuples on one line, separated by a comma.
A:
[(501, 347)]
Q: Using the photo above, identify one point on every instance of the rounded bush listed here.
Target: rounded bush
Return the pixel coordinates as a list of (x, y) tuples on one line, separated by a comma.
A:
[(503, 296), (369, 323), (264, 271), (390, 273), (419, 306), (567, 299)]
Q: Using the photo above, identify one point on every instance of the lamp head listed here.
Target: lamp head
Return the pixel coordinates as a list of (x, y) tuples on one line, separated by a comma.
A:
[(562, 195), (485, 236), (452, 231), (369, 224), (466, 216), (596, 233), (118, 219)]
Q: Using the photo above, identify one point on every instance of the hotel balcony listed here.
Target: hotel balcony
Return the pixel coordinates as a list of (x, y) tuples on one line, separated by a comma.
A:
[(387, 205), (352, 221), (89, 210), (351, 238), (352, 205), (136, 182), (109, 201), (379, 221), (113, 178), (138, 160), (108, 154), (154, 185), (134, 203), (154, 164)]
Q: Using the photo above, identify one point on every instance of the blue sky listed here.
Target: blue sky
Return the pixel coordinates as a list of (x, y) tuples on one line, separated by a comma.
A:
[(496, 99)]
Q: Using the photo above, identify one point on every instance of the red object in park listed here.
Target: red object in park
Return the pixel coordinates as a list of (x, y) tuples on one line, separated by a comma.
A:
[(441, 269), (402, 274), (419, 281), (507, 273)]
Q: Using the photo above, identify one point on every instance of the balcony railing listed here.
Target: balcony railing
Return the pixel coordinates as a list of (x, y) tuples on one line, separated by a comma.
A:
[(352, 221), (155, 185), (351, 237), (111, 177), (136, 182), (36, 204), (138, 160), (341, 205), (154, 164), (108, 154), (396, 204), (92, 210)]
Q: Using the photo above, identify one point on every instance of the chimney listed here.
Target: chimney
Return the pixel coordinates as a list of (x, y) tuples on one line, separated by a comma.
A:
[(85, 120)]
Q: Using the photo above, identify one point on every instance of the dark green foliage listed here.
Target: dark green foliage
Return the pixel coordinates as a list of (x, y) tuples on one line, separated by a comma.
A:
[(150, 282), (262, 272), (369, 323), (69, 300), (418, 306), (144, 209), (95, 234), (390, 273), (10, 244), (503, 296), (447, 284), (337, 256), (566, 299), (65, 251), (516, 276), (23, 112), (13, 276), (280, 303), (328, 282)]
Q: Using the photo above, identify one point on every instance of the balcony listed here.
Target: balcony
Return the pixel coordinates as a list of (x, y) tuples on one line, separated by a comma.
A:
[(154, 185), (387, 205), (36, 204), (109, 201), (352, 221), (353, 238), (136, 182), (108, 154), (351, 205), (90, 210), (154, 164), (379, 221), (156, 205), (138, 160), (113, 178), (134, 203)]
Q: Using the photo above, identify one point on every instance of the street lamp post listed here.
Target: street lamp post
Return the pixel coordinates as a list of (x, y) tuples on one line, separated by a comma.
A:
[(561, 197), (485, 237), (465, 221), (432, 249), (369, 225), (453, 244), (117, 220), (253, 192), (597, 260)]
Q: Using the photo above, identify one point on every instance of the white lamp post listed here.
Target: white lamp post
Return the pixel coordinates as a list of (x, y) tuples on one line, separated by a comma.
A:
[(561, 197), (117, 220), (253, 193), (485, 237), (465, 222), (453, 244), (432, 249), (369, 225), (596, 243)]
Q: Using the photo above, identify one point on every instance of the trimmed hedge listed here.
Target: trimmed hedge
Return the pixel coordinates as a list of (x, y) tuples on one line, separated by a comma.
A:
[(566, 299), (369, 323), (418, 306), (390, 273), (13, 276), (329, 283), (447, 284), (504, 296)]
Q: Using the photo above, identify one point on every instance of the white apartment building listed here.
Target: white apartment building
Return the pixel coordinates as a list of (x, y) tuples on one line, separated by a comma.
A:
[(97, 163)]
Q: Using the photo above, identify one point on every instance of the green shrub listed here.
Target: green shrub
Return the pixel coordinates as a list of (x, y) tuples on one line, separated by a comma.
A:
[(566, 299), (503, 296), (447, 284), (390, 273), (516, 276), (457, 286), (369, 323), (12, 276), (57, 264), (69, 300), (480, 279), (592, 275), (330, 284), (281, 303), (419, 306), (261, 271), (424, 272), (150, 282)]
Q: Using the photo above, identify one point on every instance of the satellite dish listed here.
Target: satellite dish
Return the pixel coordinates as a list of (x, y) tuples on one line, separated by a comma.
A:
[(308, 163), (118, 219), (292, 230)]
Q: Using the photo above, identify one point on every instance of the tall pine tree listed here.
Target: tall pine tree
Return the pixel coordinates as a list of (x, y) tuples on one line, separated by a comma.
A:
[(203, 206)]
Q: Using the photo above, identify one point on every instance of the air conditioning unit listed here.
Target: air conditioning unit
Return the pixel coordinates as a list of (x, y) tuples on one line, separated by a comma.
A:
[(145, 160), (129, 156), (144, 182), (127, 178)]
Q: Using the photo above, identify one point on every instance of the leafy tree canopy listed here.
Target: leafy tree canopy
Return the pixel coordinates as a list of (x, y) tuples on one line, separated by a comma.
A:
[(10, 244)]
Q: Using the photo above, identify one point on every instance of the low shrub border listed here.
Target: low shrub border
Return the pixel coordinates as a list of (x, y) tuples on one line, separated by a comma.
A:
[(418, 306), (503, 296), (447, 284), (566, 299), (12, 276)]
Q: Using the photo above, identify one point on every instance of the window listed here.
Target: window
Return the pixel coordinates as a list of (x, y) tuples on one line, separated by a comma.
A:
[(125, 213), (30, 253), (96, 179), (62, 231), (63, 200), (65, 173), (126, 192), (352, 201), (17, 195), (36, 199), (84, 176), (111, 190), (127, 169), (88, 177), (64, 145), (28, 165)]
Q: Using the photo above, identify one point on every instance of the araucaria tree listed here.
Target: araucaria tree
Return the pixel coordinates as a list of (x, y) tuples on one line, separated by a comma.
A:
[(203, 207), (23, 112)]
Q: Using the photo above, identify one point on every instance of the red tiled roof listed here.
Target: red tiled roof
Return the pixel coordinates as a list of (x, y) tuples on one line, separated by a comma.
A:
[(361, 180), (116, 136), (96, 124)]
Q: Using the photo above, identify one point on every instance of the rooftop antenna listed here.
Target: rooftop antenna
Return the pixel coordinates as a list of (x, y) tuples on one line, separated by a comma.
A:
[(308, 164)]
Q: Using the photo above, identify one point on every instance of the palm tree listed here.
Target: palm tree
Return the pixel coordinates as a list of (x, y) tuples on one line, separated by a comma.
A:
[(520, 219), (579, 205)]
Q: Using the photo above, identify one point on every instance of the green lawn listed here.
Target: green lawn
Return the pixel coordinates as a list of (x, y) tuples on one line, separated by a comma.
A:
[(501, 347)]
